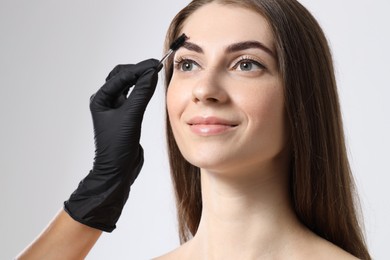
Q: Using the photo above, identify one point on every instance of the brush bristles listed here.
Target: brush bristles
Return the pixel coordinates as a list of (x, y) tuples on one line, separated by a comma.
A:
[(178, 42)]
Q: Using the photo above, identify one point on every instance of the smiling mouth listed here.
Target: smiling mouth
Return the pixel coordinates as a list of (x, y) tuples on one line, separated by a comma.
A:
[(210, 129), (210, 126), (210, 121)]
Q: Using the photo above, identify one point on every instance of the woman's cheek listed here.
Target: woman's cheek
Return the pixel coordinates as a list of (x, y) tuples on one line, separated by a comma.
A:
[(175, 103)]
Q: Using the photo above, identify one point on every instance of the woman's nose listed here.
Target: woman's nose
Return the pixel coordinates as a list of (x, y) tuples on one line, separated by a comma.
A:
[(210, 88)]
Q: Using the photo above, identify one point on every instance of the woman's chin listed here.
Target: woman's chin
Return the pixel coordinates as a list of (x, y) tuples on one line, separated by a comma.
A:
[(209, 163)]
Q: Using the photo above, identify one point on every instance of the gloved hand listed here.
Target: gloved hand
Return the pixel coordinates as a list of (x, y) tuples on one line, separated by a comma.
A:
[(99, 199)]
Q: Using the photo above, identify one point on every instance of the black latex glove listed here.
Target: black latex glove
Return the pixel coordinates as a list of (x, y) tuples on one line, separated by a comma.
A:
[(99, 199)]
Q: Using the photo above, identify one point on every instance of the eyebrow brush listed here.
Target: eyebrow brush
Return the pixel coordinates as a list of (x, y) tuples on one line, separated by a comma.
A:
[(174, 47)]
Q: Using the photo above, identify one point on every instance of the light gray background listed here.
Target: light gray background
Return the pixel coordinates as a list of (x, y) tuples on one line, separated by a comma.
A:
[(55, 54)]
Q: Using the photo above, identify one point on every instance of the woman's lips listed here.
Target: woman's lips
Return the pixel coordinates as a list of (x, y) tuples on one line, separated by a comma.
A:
[(206, 126)]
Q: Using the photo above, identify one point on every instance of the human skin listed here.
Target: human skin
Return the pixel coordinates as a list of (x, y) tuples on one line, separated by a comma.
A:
[(64, 238), (219, 88), (226, 109), (243, 155)]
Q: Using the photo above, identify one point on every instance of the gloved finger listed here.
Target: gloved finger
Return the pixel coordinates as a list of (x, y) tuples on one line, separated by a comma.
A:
[(117, 69), (122, 77), (142, 92)]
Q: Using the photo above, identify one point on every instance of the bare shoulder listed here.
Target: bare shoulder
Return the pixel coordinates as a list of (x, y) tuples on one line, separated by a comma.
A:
[(319, 248), (331, 251), (179, 253), (168, 256), (307, 246)]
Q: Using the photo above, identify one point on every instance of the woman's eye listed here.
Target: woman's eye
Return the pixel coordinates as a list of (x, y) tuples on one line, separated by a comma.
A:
[(186, 65), (248, 65)]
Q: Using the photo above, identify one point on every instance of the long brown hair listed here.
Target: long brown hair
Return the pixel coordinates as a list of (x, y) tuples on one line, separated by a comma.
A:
[(321, 184)]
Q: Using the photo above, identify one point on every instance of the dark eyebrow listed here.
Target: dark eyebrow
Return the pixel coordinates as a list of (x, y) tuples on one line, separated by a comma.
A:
[(240, 46), (192, 47), (235, 47)]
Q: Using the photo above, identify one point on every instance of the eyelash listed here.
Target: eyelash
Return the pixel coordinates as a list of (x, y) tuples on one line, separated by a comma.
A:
[(248, 59), (179, 62)]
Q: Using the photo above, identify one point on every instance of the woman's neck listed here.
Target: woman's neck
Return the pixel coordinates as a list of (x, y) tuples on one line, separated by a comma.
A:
[(246, 215), (249, 215)]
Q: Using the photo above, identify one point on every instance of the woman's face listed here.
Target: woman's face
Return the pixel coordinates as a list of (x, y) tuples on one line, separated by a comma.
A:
[(225, 99)]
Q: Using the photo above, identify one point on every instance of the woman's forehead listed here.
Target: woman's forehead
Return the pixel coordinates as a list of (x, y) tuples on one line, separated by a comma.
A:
[(225, 24)]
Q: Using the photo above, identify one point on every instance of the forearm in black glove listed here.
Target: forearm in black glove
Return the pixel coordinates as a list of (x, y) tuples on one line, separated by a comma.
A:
[(99, 199)]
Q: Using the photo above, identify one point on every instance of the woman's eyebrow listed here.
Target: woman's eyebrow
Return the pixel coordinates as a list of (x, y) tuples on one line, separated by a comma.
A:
[(235, 47), (192, 47), (240, 46)]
